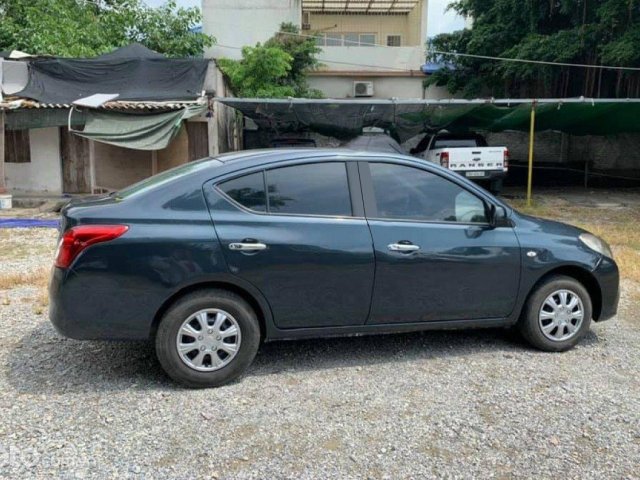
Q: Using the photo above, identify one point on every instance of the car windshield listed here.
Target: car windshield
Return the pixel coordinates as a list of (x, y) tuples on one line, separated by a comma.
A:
[(165, 177)]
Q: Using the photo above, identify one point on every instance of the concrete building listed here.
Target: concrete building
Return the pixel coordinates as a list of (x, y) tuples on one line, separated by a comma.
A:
[(370, 48)]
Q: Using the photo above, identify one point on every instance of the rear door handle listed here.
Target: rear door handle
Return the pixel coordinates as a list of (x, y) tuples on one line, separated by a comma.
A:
[(403, 247), (247, 247)]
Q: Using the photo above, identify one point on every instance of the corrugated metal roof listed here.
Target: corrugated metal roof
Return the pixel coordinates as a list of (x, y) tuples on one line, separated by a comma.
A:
[(359, 6), (23, 103)]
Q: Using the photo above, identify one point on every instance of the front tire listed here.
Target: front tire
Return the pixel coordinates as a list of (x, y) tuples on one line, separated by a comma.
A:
[(207, 338), (557, 314)]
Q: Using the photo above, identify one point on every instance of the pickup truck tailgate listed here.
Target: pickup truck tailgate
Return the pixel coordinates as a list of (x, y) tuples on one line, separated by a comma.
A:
[(481, 158)]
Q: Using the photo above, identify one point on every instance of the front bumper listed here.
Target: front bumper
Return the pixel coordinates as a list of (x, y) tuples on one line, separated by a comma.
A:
[(608, 278)]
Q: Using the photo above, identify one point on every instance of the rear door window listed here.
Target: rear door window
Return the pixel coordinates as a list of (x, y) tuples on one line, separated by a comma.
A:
[(310, 189), (248, 191)]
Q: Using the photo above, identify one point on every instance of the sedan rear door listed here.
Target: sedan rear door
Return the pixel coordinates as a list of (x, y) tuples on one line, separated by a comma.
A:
[(298, 234)]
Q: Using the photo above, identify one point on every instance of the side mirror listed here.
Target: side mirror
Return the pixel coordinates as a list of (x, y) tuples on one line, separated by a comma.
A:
[(497, 216)]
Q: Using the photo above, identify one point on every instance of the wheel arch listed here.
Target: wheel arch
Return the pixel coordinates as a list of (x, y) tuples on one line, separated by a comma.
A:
[(582, 275), (259, 305)]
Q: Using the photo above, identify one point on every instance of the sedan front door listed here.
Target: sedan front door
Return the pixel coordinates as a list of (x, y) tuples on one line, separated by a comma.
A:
[(437, 257)]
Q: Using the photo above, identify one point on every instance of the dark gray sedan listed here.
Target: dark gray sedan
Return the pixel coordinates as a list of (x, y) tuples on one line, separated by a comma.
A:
[(211, 258)]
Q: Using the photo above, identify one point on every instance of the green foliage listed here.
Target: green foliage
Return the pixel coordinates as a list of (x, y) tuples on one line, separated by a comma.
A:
[(85, 28), (277, 69), (604, 32), (262, 72)]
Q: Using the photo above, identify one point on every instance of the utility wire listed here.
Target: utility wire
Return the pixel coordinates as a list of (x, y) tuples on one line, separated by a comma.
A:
[(537, 62)]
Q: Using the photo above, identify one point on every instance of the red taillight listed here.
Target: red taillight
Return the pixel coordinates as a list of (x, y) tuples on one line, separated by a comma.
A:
[(76, 239), (444, 159), (505, 162)]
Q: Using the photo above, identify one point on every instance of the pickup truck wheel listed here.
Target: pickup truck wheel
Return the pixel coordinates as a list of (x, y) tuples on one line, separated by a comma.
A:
[(557, 314), (207, 338)]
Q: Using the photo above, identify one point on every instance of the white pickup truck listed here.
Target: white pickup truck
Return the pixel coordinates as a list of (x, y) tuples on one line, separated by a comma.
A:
[(468, 155)]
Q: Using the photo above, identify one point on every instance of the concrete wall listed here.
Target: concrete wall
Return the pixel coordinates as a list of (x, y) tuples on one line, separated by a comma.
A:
[(176, 153), (236, 23), (613, 152), (44, 172), (341, 86), (363, 59), (117, 167), (384, 87)]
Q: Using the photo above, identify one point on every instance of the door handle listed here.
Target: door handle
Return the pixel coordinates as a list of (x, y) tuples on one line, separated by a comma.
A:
[(403, 247), (247, 247)]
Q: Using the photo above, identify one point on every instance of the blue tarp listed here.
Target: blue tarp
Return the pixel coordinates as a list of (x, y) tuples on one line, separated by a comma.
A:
[(28, 223)]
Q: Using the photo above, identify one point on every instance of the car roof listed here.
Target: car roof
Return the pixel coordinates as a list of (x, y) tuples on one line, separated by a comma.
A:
[(258, 157)]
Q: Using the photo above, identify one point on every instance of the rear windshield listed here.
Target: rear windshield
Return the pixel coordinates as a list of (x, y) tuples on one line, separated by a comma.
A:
[(166, 176), (458, 143)]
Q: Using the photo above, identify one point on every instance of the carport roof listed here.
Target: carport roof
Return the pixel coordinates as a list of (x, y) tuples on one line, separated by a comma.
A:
[(406, 118), (359, 6)]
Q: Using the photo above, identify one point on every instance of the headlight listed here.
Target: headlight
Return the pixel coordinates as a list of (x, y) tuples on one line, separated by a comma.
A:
[(596, 244)]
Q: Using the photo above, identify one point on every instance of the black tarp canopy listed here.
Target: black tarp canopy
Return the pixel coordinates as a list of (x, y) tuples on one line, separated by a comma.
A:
[(406, 118), (133, 72)]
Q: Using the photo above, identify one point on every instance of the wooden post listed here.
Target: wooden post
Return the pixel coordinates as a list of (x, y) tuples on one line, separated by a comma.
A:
[(212, 130), (154, 162), (3, 185), (92, 165), (532, 129)]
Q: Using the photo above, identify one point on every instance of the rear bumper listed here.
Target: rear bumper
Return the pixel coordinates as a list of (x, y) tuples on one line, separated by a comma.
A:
[(608, 278), (83, 309)]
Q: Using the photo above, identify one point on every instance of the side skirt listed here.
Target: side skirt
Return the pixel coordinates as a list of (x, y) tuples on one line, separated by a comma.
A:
[(322, 332)]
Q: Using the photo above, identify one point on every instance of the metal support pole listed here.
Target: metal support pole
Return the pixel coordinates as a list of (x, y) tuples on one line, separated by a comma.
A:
[(532, 129), (3, 186)]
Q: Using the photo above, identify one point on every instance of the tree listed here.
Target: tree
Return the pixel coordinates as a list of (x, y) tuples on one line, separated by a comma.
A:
[(278, 68), (85, 28), (604, 32)]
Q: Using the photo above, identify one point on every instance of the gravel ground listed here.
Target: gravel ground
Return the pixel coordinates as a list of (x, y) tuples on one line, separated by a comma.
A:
[(439, 404)]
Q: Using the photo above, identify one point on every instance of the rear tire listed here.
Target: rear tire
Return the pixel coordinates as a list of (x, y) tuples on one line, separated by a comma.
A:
[(207, 338), (556, 315)]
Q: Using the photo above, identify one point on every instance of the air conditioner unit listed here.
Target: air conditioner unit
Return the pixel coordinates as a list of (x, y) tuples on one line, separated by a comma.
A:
[(363, 89)]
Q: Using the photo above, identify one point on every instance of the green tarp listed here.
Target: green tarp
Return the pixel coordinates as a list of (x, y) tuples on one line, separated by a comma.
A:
[(137, 131), (26, 118), (406, 118)]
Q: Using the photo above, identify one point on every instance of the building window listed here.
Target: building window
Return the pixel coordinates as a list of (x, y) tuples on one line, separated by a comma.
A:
[(345, 39), (16, 146), (394, 40)]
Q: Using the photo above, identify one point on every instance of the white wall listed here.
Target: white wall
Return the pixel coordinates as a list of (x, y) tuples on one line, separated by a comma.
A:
[(236, 23), (44, 172), (372, 58), (384, 87)]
